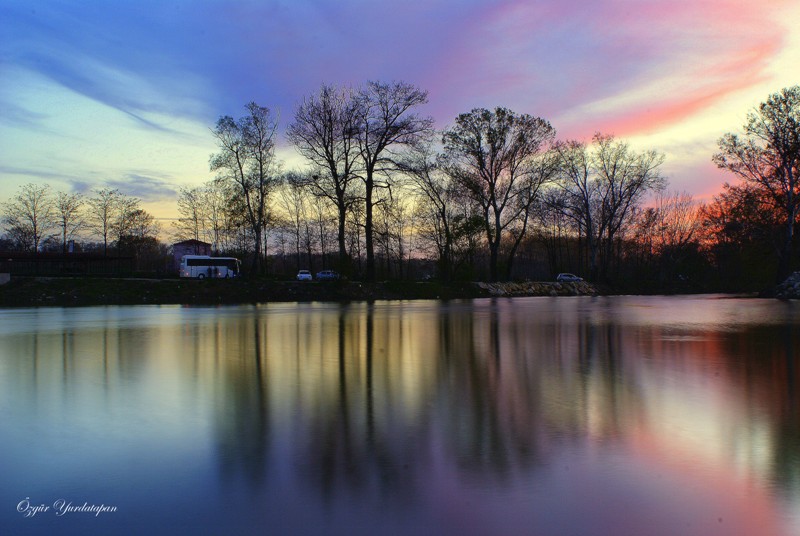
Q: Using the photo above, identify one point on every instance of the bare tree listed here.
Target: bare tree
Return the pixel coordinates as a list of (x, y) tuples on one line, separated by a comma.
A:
[(492, 155), (624, 177), (326, 225), (602, 184), (556, 229), (543, 169), (677, 222), (125, 219), (69, 216), (139, 238), (295, 201), (579, 194), (767, 155), (30, 216), (205, 213), (217, 196), (192, 209), (104, 207), (386, 124), (666, 233), (141, 224), (247, 159), (392, 229), (324, 132), (354, 231), (436, 205)]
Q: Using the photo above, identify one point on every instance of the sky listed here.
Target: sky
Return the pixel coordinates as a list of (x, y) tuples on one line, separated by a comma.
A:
[(124, 94)]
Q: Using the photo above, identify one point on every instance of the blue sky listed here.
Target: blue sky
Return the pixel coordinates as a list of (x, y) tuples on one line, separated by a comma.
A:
[(123, 93)]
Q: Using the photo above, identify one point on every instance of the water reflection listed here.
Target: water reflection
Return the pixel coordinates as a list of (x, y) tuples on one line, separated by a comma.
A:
[(544, 416)]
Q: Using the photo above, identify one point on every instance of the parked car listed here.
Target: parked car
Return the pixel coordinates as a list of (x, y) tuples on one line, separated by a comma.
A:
[(327, 275), (568, 278), (304, 275)]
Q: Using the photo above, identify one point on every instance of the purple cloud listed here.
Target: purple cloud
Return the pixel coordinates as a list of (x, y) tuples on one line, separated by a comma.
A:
[(540, 58), (622, 66)]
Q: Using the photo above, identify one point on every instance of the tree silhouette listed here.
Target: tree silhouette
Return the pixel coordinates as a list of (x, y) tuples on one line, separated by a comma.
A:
[(766, 154), (492, 155), (247, 159)]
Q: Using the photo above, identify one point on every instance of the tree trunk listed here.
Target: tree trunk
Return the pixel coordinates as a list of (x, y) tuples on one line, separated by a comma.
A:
[(370, 245), (256, 251), (493, 254), (785, 255), (341, 237)]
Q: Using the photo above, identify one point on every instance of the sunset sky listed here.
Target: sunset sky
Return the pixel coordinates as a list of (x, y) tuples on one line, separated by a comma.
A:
[(123, 93)]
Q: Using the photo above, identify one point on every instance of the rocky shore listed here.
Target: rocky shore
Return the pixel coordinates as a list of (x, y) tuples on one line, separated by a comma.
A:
[(65, 291), (789, 289), (540, 288)]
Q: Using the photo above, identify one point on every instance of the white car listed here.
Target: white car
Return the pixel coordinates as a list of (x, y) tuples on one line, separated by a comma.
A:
[(304, 275), (568, 278)]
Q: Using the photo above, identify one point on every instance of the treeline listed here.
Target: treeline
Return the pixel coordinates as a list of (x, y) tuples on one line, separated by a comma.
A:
[(383, 189), (494, 196), (106, 222)]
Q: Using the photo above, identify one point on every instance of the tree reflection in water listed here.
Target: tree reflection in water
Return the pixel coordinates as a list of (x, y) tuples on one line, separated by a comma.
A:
[(372, 391), (244, 417), (531, 412)]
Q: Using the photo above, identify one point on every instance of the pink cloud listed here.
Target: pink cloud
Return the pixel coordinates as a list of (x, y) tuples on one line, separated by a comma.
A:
[(667, 112), (697, 176), (551, 58), (707, 50)]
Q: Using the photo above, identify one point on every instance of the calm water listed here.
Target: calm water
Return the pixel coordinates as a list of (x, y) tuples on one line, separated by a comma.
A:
[(562, 416)]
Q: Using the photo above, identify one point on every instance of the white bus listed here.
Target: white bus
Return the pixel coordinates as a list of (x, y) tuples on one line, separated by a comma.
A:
[(203, 266)]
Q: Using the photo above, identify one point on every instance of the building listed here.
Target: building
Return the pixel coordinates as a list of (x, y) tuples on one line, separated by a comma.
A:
[(188, 247)]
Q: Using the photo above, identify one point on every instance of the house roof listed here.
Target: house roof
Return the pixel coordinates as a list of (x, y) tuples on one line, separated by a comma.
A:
[(191, 242)]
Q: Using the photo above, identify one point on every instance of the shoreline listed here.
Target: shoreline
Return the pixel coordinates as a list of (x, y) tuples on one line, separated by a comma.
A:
[(88, 291), (32, 291)]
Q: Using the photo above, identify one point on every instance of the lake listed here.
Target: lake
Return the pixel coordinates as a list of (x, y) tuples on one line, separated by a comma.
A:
[(542, 416)]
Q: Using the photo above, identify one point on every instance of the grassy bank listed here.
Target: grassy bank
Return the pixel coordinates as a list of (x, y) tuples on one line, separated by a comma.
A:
[(42, 291), (28, 291)]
